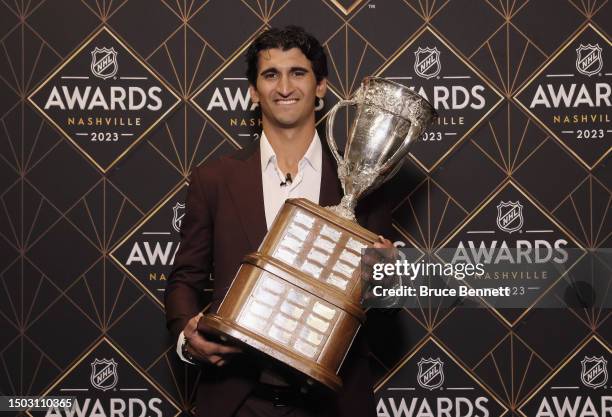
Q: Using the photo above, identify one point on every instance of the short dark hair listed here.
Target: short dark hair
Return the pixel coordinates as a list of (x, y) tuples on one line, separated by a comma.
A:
[(286, 38)]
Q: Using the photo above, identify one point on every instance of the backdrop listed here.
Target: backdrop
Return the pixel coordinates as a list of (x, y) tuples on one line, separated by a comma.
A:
[(106, 106)]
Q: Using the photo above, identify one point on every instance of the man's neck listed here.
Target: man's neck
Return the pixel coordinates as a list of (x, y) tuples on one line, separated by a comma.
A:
[(290, 145)]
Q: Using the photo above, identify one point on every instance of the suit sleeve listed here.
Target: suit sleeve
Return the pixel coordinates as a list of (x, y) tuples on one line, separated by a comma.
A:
[(184, 295)]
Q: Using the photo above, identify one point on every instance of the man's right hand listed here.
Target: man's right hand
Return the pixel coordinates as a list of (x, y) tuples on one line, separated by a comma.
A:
[(205, 350)]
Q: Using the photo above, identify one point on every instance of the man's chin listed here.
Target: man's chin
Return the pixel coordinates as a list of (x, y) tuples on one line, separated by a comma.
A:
[(287, 123)]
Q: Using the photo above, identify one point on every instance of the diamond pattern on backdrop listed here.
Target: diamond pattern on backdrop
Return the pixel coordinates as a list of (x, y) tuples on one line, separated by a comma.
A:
[(61, 216)]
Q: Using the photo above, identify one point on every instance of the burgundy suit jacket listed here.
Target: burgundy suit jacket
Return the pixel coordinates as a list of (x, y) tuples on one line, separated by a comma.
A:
[(224, 221)]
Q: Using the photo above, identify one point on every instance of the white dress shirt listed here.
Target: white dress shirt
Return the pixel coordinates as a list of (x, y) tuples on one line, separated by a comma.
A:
[(306, 184)]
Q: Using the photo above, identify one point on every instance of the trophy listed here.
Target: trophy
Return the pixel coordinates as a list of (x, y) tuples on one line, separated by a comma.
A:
[(297, 299)]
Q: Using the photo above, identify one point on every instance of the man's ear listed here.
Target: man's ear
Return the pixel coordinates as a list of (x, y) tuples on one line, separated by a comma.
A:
[(253, 93), (321, 88)]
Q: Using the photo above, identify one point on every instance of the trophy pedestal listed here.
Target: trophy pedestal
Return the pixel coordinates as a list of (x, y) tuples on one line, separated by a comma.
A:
[(297, 299)]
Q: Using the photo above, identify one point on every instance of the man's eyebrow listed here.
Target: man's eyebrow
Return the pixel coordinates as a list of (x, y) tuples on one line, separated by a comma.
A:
[(275, 70), (268, 70)]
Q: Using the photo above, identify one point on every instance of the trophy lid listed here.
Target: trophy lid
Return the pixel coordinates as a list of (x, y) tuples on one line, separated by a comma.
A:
[(397, 99)]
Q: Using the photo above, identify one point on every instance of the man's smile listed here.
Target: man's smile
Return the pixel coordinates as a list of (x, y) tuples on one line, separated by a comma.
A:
[(286, 101)]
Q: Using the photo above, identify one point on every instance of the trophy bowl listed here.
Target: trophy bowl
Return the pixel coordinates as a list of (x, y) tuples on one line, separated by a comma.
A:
[(389, 117)]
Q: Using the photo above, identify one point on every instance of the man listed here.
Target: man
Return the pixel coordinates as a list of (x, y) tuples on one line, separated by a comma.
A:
[(230, 205)]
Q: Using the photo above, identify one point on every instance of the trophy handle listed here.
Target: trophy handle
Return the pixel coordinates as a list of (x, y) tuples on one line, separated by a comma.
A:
[(392, 165), (330, 129)]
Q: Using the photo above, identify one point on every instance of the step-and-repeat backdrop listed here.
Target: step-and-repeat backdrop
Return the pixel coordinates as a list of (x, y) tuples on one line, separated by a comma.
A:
[(106, 106)]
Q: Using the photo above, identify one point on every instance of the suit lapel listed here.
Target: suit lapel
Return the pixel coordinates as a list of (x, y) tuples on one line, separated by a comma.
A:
[(246, 190)]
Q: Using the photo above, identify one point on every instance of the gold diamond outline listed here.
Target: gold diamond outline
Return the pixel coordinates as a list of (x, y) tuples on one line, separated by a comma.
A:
[(470, 68), (82, 357), (348, 10), (407, 198), (216, 75), (211, 79), (531, 79), (71, 56), (559, 368), (409, 240), (484, 205), (418, 348), (140, 224)]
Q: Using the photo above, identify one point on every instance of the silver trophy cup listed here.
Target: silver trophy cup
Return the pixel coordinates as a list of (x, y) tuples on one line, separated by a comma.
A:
[(389, 117)]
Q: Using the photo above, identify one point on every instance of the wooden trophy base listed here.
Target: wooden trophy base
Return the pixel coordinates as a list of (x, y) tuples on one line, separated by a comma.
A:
[(297, 300)]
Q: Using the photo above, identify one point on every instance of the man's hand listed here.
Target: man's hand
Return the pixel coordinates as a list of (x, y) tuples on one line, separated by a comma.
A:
[(203, 349), (389, 253), (383, 243), (386, 253), (381, 251)]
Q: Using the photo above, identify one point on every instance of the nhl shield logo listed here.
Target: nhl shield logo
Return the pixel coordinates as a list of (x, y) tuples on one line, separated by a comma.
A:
[(104, 62), (427, 62), (103, 374), (177, 218), (509, 216), (588, 59), (431, 374), (594, 371)]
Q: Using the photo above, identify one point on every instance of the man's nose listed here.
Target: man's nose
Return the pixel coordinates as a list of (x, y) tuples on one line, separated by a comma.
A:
[(284, 86)]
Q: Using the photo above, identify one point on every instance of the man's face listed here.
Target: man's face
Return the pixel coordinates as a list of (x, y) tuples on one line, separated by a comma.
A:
[(286, 88)]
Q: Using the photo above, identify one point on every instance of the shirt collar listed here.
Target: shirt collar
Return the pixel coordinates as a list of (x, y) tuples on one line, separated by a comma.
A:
[(312, 157)]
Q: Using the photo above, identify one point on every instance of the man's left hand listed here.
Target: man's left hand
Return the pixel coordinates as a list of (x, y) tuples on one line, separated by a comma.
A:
[(383, 243), (386, 256)]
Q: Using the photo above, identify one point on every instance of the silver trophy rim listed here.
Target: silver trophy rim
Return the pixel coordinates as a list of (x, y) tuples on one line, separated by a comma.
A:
[(409, 92)]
